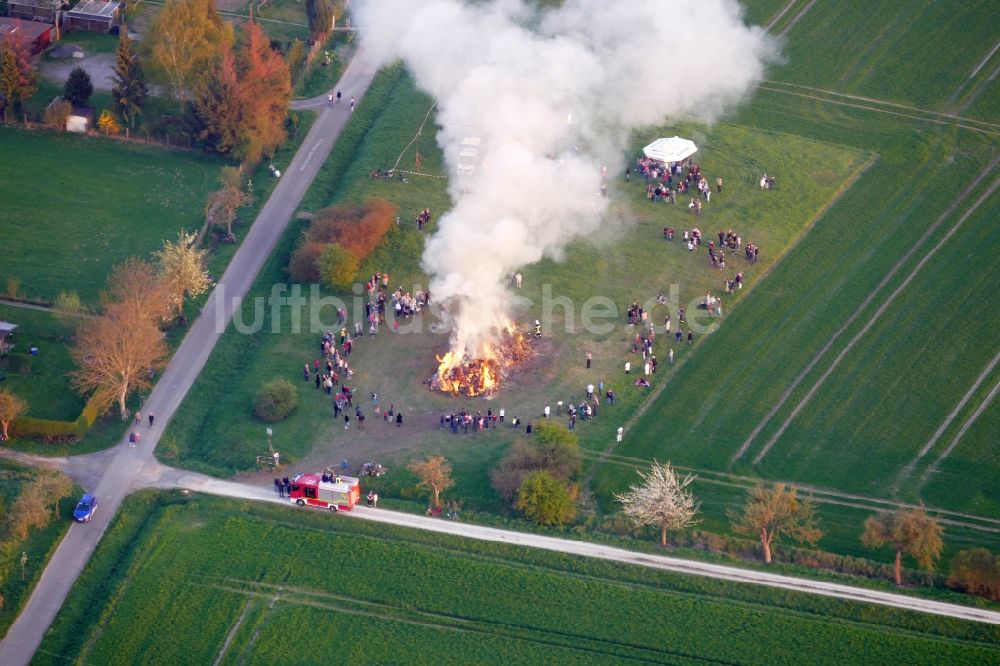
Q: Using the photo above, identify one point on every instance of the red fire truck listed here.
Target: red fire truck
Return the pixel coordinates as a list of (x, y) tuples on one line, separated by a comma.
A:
[(330, 491)]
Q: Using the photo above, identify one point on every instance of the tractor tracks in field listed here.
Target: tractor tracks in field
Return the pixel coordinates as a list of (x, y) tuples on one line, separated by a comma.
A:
[(786, 395), (881, 106), (907, 471), (421, 617)]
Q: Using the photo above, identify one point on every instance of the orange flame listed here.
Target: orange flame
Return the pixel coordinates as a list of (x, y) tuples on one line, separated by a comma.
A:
[(481, 376)]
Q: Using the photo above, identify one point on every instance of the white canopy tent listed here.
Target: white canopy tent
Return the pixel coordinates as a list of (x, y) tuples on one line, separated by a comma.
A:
[(671, 149)]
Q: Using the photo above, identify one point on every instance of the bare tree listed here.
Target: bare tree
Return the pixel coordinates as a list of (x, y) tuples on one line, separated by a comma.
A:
[(182, 267), (771, 512), (435, 475), (115, 356), (11, 406), (135, 286), (662, 499), (29, 510), (53, 485), (909, 531), (223, 204)]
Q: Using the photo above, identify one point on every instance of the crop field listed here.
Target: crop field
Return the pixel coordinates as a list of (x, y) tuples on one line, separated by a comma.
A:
[(859, 361), (65, 226), (203, 580)]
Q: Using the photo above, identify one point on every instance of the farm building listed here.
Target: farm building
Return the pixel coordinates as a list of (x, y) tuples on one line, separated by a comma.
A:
[(34, 10), (93, 16), (6, 336), (80, 119), (38, 34)]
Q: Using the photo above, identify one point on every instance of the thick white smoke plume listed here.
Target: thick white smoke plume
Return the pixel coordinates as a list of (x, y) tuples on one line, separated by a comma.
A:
[(553, 94)]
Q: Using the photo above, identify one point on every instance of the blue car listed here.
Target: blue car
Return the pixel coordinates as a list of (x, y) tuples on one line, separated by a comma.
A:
[(84, 511)]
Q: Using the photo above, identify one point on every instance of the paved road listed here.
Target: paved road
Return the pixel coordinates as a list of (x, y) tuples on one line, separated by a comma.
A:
[(124, 467)]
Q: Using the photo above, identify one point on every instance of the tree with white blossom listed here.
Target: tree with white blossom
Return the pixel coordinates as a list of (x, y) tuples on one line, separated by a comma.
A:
[(662, 499)]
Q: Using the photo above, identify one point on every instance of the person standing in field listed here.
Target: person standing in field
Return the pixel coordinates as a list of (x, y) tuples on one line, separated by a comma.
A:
[(718, 184), (621, 433), (589, 358)]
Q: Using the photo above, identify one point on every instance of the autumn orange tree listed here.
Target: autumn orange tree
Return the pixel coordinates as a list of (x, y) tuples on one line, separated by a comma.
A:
[(224, 203), (435, 475), (135, 287), (116, 351), (241, 105), (908, 531), (357, 229), (11, 407), (770, 512)]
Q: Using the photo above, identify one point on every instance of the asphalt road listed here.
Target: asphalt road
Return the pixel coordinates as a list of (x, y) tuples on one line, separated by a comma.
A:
[(128, 469)]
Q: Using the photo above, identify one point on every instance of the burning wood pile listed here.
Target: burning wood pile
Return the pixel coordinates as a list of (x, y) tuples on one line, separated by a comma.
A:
[(481, 376)]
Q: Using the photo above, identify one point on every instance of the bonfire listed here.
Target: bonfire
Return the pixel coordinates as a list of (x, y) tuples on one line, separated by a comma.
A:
[(481, 376)]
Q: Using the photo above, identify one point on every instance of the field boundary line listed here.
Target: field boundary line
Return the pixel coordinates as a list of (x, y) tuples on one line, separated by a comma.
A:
[(833, 498), (857, 313), (936, 121), (798, 17), (875, 317), (905, 474), (982, 63), (777, 18), (874, 100), (958, 436)]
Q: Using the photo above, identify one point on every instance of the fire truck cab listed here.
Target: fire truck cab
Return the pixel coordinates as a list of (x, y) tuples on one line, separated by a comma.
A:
[(333, 492)]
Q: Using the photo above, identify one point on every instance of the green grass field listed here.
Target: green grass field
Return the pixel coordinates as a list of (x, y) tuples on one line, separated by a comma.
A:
[(65, 228), (246, 583)]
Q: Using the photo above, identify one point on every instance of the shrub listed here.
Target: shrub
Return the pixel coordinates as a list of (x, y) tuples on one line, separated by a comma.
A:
[(275, 400), (545, 499), (56, 114), (337, 266), (356, 229), (554, 449), (303, 266), (108, 123), (977, 571)]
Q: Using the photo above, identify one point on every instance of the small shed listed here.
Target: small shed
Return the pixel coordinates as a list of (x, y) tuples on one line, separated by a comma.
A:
[(34, 10), (93, 16), (35, 33), (80, 119), (6, 334)]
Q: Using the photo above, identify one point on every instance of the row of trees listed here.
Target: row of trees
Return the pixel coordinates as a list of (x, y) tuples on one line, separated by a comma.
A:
[(117, 352), (234, 93), (538, 476)]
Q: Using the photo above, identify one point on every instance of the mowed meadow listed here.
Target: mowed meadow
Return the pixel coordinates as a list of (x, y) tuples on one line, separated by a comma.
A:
[(74, 207), (306, 587)]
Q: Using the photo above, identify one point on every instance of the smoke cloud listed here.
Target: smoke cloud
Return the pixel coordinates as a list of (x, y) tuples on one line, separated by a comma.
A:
[(554, 95)]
